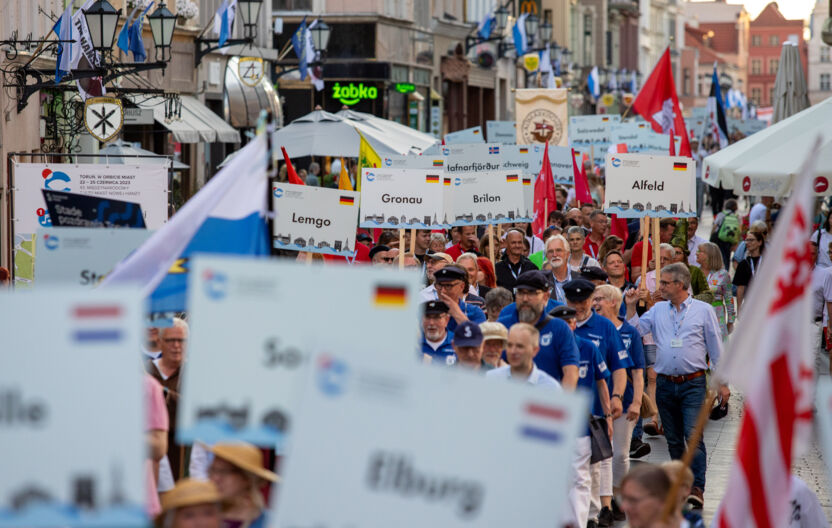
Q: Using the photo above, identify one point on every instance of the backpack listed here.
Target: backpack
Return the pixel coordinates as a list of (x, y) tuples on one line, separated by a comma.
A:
[(729, 230)]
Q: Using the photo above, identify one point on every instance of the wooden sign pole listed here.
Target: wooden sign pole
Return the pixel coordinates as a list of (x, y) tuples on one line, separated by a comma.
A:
[(413, 242), (309, 257), (657, 250), (401, 249), (491, 243), (645, 242)]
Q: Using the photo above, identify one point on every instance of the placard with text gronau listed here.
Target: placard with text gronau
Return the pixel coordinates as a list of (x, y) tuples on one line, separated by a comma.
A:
[(404, 198)]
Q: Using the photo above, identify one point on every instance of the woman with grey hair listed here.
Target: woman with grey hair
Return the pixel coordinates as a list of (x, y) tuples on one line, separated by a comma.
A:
[(437, 243), (495, 300), (709, 258)]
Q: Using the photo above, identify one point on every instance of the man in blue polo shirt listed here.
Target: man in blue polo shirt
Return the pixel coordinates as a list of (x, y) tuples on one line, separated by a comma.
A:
[(436, 340), (558, 356), (451, 284)]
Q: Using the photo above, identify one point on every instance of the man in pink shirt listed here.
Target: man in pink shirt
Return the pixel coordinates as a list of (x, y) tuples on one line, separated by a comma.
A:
[(156, 431)]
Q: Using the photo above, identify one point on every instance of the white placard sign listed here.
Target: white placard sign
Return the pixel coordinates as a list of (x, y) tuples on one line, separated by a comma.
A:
[(640, 137), (373, 433), (823, 404), (71, 409), (270, 305), (404, 198), (639, 185), (82, 255), (434, 161), (528, 159), (315, 219), (144, 184), (469, 135), (592, 134), (494, 197), (504, 132)]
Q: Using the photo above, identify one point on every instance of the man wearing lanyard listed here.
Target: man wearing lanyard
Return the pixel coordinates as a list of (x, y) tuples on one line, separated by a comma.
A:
[(515, 261), (557, 253), (687, 335), (598, 222)]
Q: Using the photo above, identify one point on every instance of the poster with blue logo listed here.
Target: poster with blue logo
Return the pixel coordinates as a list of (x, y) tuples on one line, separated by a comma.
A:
[(275, 338), (591, 134), (405, 198), (73, 433), (409, 448), (315, 219), (81, 256), (494, 197), (469, 135), (640, 185), (504, 132)]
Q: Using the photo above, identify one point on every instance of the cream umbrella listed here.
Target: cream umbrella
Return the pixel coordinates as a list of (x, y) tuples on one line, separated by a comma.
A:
[(790, 93)]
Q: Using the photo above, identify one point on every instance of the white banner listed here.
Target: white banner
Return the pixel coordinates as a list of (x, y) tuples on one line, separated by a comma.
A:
[(373, 433), (315, 219), (527, 159), (592, 134), (414, 161), (276, 311), (71, 409), (404, 198), (494, 197), (144, 184), (504, 132), (656, 186), (469, 135), (82, 256)]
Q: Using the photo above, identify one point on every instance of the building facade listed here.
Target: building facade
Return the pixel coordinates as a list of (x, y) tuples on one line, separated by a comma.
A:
[(820, 63)]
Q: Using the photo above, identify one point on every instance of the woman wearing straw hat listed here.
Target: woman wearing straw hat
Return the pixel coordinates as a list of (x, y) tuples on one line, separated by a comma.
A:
[(190, 504), (238, 473)]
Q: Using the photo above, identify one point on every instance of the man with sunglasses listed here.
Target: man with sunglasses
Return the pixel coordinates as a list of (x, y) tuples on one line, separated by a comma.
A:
[(687, 335), (451, 283)]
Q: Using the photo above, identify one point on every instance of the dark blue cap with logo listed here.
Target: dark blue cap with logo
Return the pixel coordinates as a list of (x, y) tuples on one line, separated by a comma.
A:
[(578, 290), (467, 334), (533, 280)]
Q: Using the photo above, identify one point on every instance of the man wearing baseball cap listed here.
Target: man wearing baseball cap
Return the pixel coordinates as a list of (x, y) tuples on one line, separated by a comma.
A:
[(467, 344), (558, 355), (451, 284), (436, 340)]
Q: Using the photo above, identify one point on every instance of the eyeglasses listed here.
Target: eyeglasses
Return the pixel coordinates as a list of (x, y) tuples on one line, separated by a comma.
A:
[(174, 340), (666, 283), (388, 259), (447, 285)]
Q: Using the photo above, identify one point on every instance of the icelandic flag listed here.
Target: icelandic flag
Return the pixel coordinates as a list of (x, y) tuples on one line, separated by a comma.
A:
[(227, 216), (716, 112), (224, 20), (63, 28), (592, 83), (300, 47), (518, 32), (136, 43), (486, 25)]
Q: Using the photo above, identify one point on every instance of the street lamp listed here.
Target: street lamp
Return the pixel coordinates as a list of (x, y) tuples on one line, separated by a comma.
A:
[(546, 32), (102, 19), (531, 25), (250, 11), (162, 22), (501, 17), (320, 35)]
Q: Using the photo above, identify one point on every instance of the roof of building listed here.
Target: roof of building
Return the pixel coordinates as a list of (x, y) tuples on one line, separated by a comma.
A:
[(694, 37), (716, 11), (725, 38), (771, 16)]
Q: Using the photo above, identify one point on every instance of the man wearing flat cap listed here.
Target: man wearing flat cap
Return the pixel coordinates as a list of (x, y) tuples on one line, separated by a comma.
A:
[(451, 284), (594, 274), (558, 355), (436, 340)]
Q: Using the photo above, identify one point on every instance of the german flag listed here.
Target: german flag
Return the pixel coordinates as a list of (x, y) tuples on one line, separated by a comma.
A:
[(446, 181), (680, 166), (527, 181), (604, 119), (390, 296), (438, 163), (431, 178), (524, 151), (511, 178), (346, 200)]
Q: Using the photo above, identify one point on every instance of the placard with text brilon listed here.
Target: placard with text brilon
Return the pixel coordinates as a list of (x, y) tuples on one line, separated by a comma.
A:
[(71, 409), (404, 198), (408, 449), (314, 219), (494, 197), (276, 309), (638, 185)]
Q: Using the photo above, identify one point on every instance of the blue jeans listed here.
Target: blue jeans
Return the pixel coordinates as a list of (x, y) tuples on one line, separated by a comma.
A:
[(679, 406)]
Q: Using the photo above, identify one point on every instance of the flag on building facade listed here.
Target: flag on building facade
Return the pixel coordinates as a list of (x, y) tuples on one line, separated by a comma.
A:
[(716, 112), (63, 29), (518, 34), (224, 20)]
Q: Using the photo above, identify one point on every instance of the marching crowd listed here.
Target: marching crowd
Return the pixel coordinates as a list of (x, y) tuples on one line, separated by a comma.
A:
[(579, 308)]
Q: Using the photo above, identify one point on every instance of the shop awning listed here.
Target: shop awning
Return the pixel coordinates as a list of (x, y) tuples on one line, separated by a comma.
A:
[(197, 122)]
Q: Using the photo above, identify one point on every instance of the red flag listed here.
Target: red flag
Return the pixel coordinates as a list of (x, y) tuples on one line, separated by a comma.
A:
[(545, 199), (771, 361), (290, 171), (658, 103), (672, 148), (581, 183)]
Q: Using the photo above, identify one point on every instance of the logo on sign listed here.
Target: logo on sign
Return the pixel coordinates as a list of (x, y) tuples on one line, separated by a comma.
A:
[(371, 176), (388, 162), (746, 184), (332, 375), (457, 181), (51, 242), (542, 422), (215, 285), (278, 192), (103, 117), (351, 94), (546, 339), (446, 151), (250, 70), (96, 324), (821, 184), (616, 162), (51, 177)]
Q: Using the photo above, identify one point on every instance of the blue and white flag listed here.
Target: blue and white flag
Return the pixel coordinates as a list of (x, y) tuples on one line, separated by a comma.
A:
[(136, 44), (613, 82), (518, 32), (545, 69), (224, 20), (63, 28), (227, 216), (299, 44), (312, 55), (486, 25), (593, 84)]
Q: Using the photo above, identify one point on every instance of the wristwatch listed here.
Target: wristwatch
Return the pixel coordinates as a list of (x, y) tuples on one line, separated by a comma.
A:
[(617, 396)]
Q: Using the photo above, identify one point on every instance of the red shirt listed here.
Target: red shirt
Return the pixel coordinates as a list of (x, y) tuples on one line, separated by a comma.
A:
[(455, 251), (591, 248), (635, 258)]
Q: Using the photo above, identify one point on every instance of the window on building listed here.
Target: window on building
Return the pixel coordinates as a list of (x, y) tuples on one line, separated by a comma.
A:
[(756, 67), (825, 84), (824, 54), (292, 5), (588, 58), (771, 96), (756, 40), (774, 40), (773, 64), (756, 95), (686, 81)]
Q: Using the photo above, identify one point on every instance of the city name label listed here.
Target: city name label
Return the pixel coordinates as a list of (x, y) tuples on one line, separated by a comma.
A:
[(669, 191), (314, 219), (494, 197), (281, 346), (403, 473), (405, 198)]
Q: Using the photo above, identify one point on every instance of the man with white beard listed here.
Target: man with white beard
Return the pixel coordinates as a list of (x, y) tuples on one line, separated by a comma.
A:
[(558, 356), (557, 254)]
